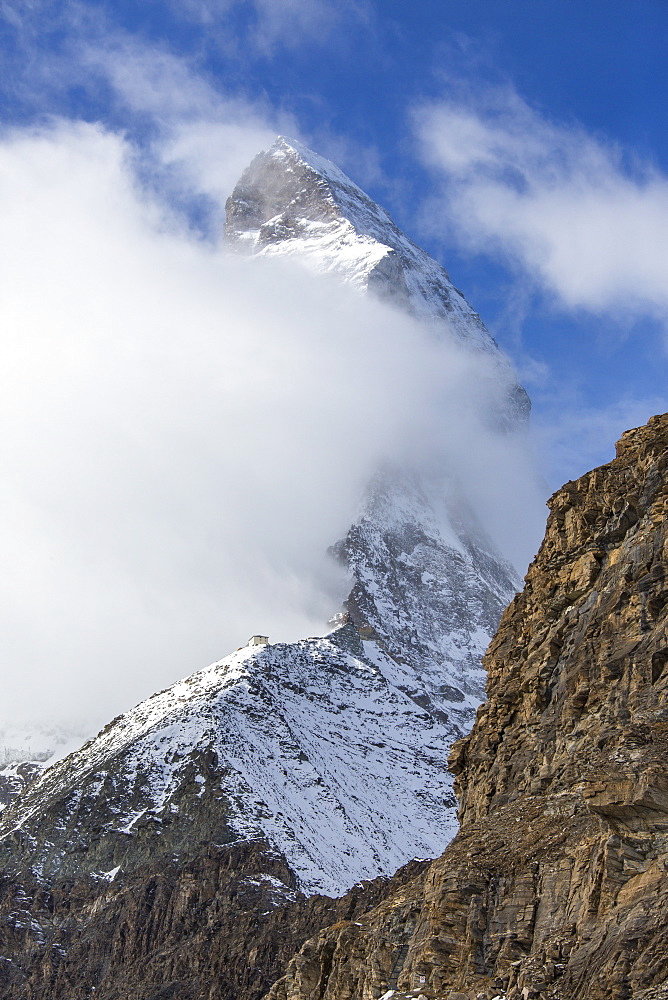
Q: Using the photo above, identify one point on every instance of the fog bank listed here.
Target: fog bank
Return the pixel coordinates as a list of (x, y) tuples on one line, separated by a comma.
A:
[(185, 433)]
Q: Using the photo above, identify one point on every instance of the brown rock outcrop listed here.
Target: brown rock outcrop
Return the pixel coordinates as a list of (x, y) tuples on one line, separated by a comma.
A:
[(556, 885), (221, 927)]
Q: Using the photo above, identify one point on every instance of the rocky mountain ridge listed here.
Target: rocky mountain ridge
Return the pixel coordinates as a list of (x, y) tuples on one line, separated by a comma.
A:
[(555, 887), (221, 926)]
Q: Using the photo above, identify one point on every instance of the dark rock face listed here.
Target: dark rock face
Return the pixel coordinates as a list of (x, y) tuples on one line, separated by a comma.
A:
[(219, 928), (68, 828), (556, 885), (15, 778)]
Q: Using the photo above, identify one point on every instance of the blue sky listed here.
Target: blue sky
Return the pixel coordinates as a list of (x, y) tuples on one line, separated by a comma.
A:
[(523, 144)]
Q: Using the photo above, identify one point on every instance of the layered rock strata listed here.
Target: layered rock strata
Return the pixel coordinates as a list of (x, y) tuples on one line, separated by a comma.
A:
[(556, 886)]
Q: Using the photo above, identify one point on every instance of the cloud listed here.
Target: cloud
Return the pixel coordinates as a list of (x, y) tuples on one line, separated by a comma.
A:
[(575, 213), (195, 129), (262, 24), (199, 137), (270, 27), (296, 22), (185, 433)]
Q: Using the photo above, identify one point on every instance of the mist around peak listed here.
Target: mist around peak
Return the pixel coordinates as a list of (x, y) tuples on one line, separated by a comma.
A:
[(186, 433)]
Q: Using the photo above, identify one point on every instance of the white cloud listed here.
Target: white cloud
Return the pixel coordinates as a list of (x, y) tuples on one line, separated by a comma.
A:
[(290, 24), (203, 137), (295, 22), (184, 434), (201, 129), (586, 222)]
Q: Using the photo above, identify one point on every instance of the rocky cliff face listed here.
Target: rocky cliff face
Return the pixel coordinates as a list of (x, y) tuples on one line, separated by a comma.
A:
[(556, 885), (220, 927), (432, 602)]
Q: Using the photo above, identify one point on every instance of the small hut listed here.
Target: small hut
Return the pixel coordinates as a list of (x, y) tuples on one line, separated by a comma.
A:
[(258, 640)]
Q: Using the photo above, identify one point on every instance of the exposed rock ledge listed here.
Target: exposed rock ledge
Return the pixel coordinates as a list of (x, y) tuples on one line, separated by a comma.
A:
[(556, 885)]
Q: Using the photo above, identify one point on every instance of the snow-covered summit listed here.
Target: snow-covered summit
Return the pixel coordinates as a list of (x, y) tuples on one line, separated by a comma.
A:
[(290, 200), (289, 189)]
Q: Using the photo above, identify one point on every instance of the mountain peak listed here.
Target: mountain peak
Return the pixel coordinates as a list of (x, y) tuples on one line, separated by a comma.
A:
[(292, 149), (291, 200), (313, 744), (288, 188)]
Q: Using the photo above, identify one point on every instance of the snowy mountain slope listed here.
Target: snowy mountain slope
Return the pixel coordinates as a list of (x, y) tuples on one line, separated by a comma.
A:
[(425, 576), (308, 744), (432, 588), (290, 200), (333, 750), (25, 749)]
